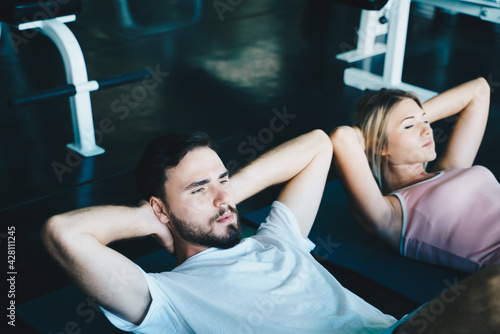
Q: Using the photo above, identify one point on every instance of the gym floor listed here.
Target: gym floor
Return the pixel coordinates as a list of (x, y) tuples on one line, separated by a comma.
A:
[(229, 74)]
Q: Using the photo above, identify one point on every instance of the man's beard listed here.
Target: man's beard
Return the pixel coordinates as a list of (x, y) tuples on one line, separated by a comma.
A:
[(190, 232)]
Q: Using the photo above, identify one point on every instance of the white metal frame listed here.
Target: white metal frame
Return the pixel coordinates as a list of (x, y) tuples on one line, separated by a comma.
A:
[(398, 13), (76, 74)]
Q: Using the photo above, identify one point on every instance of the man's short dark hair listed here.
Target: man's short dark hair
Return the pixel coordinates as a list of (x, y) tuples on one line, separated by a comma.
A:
[(161, 154)]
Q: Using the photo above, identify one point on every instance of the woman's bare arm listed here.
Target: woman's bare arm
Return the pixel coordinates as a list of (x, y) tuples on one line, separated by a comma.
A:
[(470, 102), (376, 214)]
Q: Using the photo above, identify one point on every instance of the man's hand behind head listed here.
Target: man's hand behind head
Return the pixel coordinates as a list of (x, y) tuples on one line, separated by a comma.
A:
[(161, 232)]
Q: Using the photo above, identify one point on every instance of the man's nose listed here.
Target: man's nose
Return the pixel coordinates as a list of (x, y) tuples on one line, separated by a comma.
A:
[(221, 197)]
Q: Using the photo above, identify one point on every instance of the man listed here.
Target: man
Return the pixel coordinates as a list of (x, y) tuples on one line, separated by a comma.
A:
[(268, 283)]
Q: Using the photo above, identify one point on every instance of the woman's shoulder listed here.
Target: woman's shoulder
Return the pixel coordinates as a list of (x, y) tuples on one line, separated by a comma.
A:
[(475, 169)]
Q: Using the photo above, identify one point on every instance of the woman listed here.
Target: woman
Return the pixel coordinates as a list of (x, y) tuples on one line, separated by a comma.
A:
[(449, 216)]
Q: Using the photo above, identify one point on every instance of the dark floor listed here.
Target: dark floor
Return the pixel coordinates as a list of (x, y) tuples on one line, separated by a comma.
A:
[(226, 75)]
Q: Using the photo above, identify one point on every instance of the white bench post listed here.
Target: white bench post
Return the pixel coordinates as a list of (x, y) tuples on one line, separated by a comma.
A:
[(76, 74)]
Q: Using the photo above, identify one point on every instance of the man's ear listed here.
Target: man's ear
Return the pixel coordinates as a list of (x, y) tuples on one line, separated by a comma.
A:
[(159, 209)]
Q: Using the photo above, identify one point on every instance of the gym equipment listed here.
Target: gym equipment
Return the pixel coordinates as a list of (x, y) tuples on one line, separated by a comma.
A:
[(68, 310), (130, 26), (365, 4), (49, 18), (15, 12), (71, 89), (392, 20)]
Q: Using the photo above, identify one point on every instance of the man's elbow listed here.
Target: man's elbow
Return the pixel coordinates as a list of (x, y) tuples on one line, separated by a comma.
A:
[(484, 85), (53, 232), (321, 141)]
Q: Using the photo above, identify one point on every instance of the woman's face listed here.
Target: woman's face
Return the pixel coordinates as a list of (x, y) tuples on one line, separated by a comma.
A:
[(410, 138)]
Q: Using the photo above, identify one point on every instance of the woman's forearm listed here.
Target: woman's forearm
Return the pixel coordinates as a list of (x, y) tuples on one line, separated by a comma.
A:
[(457, 99), (470, 102)]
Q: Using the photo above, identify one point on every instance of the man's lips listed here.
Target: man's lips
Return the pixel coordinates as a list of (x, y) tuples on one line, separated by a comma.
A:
[(225, 218)]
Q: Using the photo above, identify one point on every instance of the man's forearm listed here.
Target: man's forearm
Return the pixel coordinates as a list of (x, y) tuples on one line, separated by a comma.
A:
[(64, 234), (105, 223), (279, 165)]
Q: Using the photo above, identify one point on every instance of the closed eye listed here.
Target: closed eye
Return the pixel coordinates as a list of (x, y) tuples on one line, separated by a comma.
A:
[(408, 126)]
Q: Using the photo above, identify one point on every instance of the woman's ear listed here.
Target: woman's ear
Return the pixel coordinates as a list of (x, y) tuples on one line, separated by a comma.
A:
[(377, 149), (159, 209), (383, 151)]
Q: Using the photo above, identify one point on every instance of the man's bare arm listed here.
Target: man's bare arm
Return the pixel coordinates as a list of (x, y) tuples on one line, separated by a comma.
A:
[(78, 239), (304, 161)]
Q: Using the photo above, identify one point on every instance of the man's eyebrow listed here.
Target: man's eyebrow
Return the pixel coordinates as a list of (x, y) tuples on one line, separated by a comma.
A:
[(197, 184), (202, 182)]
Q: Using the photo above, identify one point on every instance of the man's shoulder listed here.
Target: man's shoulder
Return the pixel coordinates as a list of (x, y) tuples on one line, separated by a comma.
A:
[(279, 212), (282, 225)]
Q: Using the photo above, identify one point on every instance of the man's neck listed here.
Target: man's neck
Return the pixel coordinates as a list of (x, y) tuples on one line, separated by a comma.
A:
[(185, 250)]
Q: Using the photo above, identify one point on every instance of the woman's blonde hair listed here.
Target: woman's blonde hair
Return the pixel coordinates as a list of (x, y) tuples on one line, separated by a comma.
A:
[(372, 115)]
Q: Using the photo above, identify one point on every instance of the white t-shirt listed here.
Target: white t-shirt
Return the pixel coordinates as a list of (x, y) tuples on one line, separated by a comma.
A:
[(268, 283)]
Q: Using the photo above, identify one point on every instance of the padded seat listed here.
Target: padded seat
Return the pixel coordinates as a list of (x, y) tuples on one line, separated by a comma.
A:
[(20, 11)]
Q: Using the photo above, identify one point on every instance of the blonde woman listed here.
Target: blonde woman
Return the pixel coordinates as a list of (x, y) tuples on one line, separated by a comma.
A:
[(448, 216)]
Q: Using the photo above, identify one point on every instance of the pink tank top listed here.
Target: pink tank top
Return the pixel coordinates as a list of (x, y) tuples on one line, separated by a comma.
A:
[(452, 219)]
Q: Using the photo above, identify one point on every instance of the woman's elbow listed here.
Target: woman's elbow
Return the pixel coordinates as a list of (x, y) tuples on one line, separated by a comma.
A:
[(343, 136), (340, 131)]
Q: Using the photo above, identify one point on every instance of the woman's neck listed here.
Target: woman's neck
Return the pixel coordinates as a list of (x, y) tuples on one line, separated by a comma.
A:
[(400, 176)]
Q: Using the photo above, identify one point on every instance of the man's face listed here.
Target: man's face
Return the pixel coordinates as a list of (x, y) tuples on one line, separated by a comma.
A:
[(201, 202)]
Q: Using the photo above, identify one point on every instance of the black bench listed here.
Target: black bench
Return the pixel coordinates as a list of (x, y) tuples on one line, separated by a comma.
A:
[(365, 4), (21, 11)]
